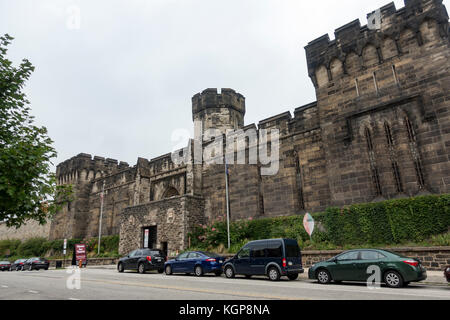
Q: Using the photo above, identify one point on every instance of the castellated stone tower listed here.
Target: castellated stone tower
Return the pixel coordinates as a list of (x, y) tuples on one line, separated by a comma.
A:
[(81, 171), (222, 111)]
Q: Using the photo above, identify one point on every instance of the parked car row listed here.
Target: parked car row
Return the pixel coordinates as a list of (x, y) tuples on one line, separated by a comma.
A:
[(276, 258), (35, 263)]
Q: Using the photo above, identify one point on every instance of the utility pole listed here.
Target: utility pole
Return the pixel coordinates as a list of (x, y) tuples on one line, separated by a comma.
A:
[(102, 196), (228, 203)]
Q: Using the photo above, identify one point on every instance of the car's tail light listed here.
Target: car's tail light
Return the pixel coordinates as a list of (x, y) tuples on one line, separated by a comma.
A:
[(284, 263), (211, 260), (165, 259), (413, 263), (149, 259), (21, 263)]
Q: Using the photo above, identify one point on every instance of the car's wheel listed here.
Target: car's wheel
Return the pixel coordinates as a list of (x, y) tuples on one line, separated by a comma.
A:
[(198, 271), (160, 270), (168, 270), (229, 272), (274, 274), (248, 276), (323, 276), (393, 279), (46, 268), (141, 268), (120, 267), (218, 273), (293, 276)]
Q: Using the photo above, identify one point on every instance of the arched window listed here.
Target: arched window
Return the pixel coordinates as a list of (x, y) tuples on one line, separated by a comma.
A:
[(417, 163), (170, 192)]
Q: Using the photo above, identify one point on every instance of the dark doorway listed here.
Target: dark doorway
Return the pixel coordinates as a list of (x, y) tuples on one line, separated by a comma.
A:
[(165, 248), (149, 237)]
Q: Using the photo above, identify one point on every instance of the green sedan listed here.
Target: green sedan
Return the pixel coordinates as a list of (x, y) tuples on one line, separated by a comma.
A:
[(396, 271)]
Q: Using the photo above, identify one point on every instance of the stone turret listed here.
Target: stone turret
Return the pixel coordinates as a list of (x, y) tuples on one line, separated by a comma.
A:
[(222, 111), (357, 47)]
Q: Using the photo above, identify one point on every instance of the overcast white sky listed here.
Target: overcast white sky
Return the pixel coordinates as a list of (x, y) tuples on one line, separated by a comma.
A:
[(122, 83)]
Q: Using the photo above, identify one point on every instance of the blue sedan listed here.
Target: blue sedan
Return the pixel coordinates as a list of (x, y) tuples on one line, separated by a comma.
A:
[(197, 262)]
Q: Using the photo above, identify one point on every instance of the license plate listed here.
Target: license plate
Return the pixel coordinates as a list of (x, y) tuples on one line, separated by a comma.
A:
[(220, 261), (159, 260)]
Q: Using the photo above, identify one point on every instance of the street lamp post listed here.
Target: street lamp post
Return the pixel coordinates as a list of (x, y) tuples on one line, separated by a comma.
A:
[(102, 196), (228, 203)]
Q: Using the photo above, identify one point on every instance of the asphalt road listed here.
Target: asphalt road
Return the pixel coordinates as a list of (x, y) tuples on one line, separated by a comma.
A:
[(105, 284)]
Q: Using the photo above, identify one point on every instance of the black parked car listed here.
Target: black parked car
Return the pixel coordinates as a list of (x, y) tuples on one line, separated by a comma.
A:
[(36, 264), (274, 258), (5, 265), (18, 265), (143, 260), (447, 273)]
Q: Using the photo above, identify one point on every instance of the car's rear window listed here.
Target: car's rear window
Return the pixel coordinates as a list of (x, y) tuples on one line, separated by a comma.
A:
[(395, 254), (292, 250), (210, 254), (153, 253), (4, 262)]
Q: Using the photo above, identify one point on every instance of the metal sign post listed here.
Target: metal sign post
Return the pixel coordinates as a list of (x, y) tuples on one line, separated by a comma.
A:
[(64, 252)]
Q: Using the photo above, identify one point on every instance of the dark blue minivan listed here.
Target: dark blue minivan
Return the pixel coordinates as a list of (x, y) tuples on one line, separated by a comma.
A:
[(274, 258)]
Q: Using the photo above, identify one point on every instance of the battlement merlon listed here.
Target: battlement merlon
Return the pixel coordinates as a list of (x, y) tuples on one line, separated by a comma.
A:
[(83, 161), (210, 98), (353, 37)]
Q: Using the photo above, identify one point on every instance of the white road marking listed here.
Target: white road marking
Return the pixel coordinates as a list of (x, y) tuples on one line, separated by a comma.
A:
[(4, 286), (73, 299), (32, 291)]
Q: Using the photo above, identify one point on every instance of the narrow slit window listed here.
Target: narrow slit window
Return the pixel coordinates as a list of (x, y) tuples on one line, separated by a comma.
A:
[(376, 181), (369, 139), (419, 173), (394, 72), (375, 81), (301, 199), (410, 130), (357, 87), (388, 132), (398, 180)]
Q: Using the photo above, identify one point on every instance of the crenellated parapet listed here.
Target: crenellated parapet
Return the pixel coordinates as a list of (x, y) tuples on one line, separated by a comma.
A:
[(222, 111), (83, 168), (357, 47)]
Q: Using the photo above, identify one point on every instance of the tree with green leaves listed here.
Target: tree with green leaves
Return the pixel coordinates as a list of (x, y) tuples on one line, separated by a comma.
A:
[(28, 189)]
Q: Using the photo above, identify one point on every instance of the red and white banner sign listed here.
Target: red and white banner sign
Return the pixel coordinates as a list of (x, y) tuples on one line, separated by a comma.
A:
[(80, 252)]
